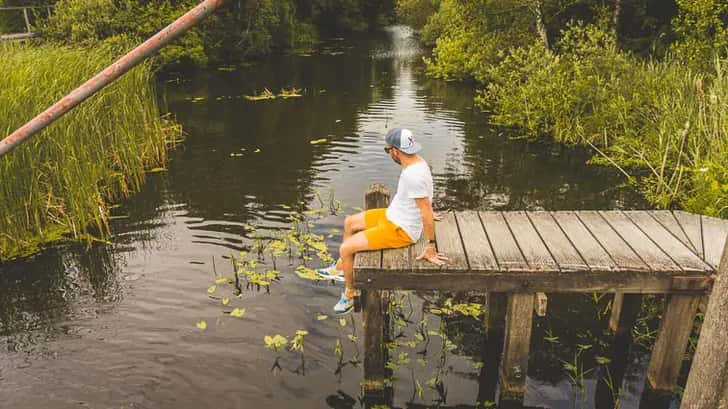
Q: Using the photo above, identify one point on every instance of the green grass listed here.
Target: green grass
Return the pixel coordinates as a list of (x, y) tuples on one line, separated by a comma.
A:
[(60, 183)]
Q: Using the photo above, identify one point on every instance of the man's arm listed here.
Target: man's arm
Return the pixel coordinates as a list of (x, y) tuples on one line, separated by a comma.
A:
[(428, 222)]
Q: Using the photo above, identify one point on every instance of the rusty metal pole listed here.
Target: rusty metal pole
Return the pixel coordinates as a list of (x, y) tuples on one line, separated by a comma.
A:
[(107, 76)]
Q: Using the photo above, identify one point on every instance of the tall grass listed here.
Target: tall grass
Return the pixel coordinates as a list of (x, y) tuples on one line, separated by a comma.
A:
[(61, 181), (661, 123)]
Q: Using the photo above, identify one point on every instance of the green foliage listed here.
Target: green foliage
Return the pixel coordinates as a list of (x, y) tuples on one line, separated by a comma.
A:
[(701, 27), (471, 36), (63, 180), (661, 117), (87, 22), (415, 13)]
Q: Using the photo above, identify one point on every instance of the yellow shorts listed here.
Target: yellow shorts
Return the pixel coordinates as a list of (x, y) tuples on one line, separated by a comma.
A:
[(383, 234)]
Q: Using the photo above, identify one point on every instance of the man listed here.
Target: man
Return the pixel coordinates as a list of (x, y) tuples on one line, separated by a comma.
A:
[(401, 224)]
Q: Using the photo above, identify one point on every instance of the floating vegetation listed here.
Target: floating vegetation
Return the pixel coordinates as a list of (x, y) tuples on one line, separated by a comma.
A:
[(275, 342), (227, 68), (292, 92), (266, 94), (202, 325), (318, 141), (285, 93), (61, 183), (195, 99)]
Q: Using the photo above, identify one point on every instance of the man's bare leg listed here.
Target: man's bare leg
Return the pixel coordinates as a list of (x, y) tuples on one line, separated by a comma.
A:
[(352, 225), (354, 244)]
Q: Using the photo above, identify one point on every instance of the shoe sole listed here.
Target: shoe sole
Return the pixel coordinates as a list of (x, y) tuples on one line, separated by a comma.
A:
[(338, 314), (337, 278)]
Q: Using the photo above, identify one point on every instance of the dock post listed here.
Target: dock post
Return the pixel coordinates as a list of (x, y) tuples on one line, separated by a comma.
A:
[(616, 310), (672, 341), (516, 347), (707, 386), (377, 196), (625, 308), (494, 323)]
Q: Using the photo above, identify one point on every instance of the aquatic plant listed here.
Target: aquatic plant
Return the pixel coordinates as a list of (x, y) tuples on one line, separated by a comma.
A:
[(264, 95), (61, 183)]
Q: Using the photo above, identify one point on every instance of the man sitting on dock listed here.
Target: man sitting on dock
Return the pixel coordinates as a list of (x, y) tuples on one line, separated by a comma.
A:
[(399, 225)]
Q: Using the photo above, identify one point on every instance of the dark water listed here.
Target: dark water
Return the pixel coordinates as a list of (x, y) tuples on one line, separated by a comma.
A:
[(113, 326)]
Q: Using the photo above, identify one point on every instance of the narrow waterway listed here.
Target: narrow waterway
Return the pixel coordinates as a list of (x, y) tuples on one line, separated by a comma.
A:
[(114, 326)]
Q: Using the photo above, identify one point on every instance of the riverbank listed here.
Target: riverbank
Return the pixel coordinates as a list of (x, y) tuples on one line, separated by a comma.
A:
[(63, 182), (652, 103)]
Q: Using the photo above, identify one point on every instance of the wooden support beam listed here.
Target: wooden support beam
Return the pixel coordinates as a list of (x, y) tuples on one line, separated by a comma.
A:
[(497, 305), (625, 309), (540, 304), (616, 310), (374, 351), (672, 340), (494, 327), (707, 385), (377, 196), (517, 344)]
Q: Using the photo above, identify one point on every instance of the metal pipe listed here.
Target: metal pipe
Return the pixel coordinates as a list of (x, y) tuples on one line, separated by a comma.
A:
[(108, 75)]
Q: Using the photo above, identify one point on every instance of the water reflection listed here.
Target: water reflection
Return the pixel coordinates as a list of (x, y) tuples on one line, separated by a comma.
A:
[(114, 326)]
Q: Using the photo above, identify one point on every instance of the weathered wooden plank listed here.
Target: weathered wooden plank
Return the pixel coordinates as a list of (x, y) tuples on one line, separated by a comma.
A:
[(417, 249), (514, 366), (693, 228), (628, 281), (397, 259), (672, 341), (618, 249), (477, 245), (506, 250), (563, 251), (368, 260), (667, 219), (589, 248), (714, 236), (448, 242), (669, 244), (647, 250), (528, 240)]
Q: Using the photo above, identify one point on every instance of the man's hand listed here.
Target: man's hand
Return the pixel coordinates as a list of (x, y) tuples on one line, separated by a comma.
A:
[(430, 254), (439, 216)]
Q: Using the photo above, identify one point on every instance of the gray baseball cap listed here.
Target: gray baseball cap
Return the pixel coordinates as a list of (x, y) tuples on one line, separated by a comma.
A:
[(403, 140)]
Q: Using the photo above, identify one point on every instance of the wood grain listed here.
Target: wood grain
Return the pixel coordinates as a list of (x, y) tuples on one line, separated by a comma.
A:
[(504, 245), (477, 245), (529, 241)]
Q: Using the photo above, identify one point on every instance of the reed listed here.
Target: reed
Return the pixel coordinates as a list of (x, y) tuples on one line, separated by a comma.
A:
[(61, 182)]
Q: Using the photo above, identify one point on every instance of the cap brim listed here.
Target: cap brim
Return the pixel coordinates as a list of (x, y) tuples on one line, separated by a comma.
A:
[(416, 147)]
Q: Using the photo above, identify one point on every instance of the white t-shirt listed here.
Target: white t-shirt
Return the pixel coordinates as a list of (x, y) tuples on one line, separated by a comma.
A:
[(415, 182)]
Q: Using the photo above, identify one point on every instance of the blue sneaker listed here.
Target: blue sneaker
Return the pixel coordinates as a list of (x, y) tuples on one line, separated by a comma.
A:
[(345, 305), (331, 273)]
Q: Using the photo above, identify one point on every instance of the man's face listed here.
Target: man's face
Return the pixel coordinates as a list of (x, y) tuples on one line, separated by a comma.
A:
[(393, 153)]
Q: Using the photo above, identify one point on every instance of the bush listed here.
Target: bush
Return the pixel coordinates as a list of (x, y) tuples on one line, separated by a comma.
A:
[(661, 117), (701, 27), (472, 36)]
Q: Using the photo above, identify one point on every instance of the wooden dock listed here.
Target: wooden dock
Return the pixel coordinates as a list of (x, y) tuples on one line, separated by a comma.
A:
[(516, 257)]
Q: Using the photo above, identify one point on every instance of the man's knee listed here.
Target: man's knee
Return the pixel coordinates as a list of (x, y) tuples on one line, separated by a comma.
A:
[(346, 249), (348, 223)]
